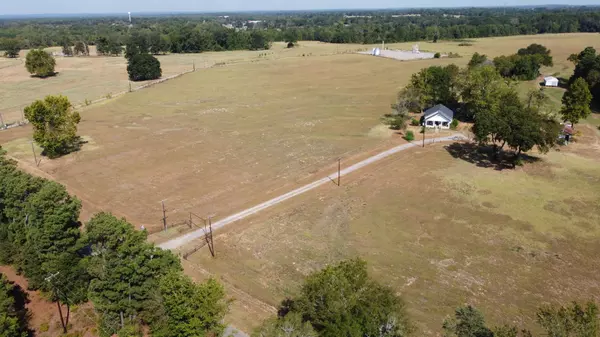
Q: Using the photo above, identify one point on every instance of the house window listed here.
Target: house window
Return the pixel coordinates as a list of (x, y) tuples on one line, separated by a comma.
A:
[(429, 122), (445, 124)]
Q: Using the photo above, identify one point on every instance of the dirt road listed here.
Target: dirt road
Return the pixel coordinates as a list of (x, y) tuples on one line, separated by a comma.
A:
[(184, 239)]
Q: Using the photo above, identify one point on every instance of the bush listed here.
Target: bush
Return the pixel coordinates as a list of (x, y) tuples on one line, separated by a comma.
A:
[(410, 136), (454, 124), (437, 55), (40, 63), (143, 67), (453, 55), (465, 44), (291, 45), (44, 327), (414, 122)]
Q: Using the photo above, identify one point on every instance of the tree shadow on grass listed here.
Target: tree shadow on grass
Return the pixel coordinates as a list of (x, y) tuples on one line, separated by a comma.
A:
[(54, 74), (73, 146), (483, 156), (23, 315)]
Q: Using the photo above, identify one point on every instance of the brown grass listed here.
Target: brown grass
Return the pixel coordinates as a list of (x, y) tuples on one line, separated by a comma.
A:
[(441, 231)]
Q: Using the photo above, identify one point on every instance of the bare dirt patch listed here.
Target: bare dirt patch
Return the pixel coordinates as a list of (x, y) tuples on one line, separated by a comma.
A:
[(44, 319)]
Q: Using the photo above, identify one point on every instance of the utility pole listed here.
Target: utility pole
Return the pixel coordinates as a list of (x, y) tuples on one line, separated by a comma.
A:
[(37, 164), (211, 245), (164, 215), (1, 121), (194, 65), (339, 170), (423, 134), (129, 86), (55, 291)]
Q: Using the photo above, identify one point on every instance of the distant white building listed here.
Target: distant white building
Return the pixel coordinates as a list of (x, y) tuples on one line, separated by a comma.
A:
[(376, 52), (551, 81)]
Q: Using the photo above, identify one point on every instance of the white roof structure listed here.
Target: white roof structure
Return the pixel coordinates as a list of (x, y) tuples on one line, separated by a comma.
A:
[(551, 81)]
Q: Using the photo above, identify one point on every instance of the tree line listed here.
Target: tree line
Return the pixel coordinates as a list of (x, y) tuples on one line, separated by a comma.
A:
[(130, 281), (198, 33), (485, 93)]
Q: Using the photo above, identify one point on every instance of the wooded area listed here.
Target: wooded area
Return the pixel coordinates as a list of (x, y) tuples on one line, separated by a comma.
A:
[(130, 281), (214, 32)]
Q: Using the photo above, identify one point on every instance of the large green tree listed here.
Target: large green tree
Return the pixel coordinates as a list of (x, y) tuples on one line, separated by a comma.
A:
[(541, 52), (436, 85), (190, 309), (576, 102), (291, 325), (54, 125), (11, 47), (40, 63), (341, 300), (143, 67), (125, 271), (587, 66)]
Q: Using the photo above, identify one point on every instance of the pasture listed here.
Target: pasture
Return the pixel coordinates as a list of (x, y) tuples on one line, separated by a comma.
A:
[(441, 231), (254, 125)]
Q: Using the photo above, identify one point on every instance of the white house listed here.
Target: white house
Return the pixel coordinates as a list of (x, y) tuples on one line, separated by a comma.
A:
[(551, 81), (438, 116)]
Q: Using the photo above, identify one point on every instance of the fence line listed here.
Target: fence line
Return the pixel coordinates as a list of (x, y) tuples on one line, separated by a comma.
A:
[(24, 121)]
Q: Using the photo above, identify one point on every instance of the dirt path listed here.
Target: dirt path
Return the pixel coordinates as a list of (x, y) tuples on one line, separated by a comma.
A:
[(184, 239)]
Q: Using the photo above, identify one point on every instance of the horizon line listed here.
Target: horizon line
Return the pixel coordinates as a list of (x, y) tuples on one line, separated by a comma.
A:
[(164, 12)]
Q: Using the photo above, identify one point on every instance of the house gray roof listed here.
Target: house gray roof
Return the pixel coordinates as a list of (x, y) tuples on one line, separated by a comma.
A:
[(443, 110)]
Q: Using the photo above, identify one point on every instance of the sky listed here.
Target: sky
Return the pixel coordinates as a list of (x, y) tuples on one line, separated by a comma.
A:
[(11, 7)]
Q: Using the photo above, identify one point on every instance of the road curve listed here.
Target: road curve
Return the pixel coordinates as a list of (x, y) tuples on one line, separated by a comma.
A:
[(199, 233)]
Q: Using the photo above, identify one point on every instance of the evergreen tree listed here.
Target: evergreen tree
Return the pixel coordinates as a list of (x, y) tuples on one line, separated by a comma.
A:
[(125, 271)]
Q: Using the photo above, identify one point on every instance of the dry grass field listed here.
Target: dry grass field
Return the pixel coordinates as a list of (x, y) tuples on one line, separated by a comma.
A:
[(441, 230), (92, 78)]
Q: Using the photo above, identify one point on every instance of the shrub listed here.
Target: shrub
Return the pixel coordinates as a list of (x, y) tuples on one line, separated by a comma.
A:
[(437, 55), (410, 136), (465, 44), (454, 124), (44, 327), (87, 102), (40, 63), (143, 67), (414, 122), (453, 55)]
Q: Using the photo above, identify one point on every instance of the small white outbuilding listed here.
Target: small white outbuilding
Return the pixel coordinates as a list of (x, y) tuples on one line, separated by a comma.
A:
[(551, 81), (376, 52)]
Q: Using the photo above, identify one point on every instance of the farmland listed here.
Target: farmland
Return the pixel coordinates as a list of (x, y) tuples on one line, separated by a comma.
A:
[(440, 230)]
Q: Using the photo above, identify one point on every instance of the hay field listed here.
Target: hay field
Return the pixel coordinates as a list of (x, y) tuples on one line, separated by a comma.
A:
[(440, 230), (223, 139), (94, 77), (91, 78)]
